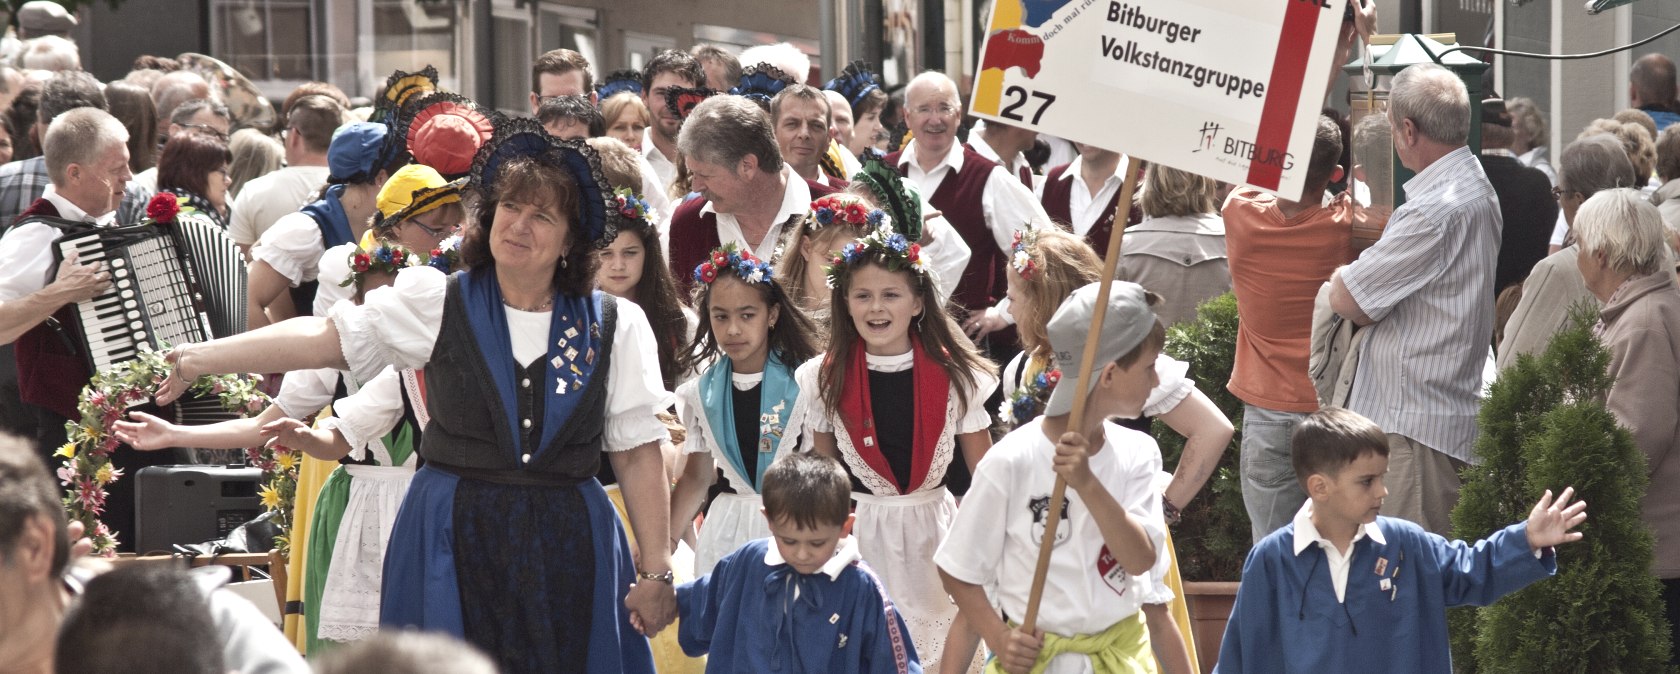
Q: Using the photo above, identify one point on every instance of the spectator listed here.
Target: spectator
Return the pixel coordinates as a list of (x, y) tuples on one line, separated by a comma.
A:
[(132, 105), (722, 69), (1587, 166), (1626, 264), (1651, 86), (194, 165), (668, 70), (1641, 150), (40, 581), (310, 124), (1667, 197), (20, 118), (1528, 215), (12, 82), (570, 117), (1530, 135), (406, 653), (1178, 251), (1422, 290), (173, 89), (50, 53), (5, 139), (39, 18), (1281, 252), (204, 115), (309, 89), (627, 119), (560, 72), (140, 618), (1639, 118), (255, 154)]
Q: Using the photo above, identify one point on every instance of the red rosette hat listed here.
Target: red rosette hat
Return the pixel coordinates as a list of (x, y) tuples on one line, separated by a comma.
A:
[(445, 130)]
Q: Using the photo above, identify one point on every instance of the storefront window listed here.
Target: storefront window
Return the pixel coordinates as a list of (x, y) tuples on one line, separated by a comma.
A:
[(409, 35), (265, 39)]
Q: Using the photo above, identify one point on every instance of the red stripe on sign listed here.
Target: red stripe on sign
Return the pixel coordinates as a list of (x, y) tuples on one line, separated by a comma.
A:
[(1283, 93)]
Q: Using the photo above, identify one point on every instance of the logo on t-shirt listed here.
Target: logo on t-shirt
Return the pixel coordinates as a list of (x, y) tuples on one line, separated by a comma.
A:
[(1115, 577), (1039, 506)]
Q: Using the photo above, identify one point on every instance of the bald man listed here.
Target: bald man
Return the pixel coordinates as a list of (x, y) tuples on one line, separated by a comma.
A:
[(840, 135), (1651, 87), (983, 201)]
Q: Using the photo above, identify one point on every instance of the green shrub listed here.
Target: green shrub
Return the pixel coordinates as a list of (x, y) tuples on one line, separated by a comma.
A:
[(1213, 538), (1544, 426)]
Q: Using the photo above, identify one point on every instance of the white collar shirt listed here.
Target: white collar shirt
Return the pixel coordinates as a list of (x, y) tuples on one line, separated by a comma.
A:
[(1306, 536), (1015, 164), (1005, 202), (663, 166), (26, 252), (796, 200), (1086, 209)]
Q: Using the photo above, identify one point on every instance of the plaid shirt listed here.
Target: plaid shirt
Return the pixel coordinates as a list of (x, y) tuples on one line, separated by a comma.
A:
[(23, 181)]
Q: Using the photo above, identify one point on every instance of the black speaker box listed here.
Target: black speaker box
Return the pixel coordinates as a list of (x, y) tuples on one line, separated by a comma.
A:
[(192, 504)]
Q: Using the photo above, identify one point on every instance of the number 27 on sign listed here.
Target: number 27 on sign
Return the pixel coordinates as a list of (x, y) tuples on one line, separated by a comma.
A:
[(1018, 97)]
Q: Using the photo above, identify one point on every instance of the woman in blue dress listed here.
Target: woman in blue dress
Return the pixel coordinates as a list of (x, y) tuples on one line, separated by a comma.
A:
[(505, 538)]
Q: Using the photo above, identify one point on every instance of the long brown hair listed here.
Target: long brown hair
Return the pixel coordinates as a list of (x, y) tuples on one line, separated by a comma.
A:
[(940, 336), (1063, 263), (792, 337), (656, 294)]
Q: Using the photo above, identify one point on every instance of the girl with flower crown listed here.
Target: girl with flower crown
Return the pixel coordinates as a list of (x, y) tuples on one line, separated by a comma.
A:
[(505, 538), (371, 439), (901, 392), (739, 410), (1046, 265), (834, 220)]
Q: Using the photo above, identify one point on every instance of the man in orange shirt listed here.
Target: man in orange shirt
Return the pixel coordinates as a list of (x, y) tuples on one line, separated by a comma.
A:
[(1280, 252)]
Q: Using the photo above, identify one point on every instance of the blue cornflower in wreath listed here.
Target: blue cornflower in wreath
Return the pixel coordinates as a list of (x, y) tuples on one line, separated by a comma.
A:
[(882, 246), (746, 266)]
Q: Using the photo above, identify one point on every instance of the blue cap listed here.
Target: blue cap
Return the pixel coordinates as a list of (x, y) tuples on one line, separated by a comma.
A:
[(355, 152)]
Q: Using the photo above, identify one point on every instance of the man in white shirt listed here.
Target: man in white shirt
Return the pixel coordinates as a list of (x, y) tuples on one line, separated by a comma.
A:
[(801, 116), (981, 199), (1006, 145), (265, 199), (668, 69)]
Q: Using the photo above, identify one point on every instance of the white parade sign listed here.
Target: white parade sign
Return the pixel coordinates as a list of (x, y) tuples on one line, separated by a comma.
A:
[(1229, 89)]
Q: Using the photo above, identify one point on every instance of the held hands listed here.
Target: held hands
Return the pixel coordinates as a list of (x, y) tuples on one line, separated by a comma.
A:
[(78, 282), (1550, 522), (176, 384), (144, 432), (288, 432), (1073, 461), (652, 605), (1019, 651)]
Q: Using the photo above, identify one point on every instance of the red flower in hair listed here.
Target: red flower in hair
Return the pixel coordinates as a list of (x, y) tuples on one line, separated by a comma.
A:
[(915, 253), (163, 207), (708, 272), (720, 258), (1055, 376), (362, 262)]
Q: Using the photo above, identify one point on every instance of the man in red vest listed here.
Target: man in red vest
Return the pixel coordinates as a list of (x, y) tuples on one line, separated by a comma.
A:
[(981, 199), (749, 196), (1082, 195), (1004, 144)]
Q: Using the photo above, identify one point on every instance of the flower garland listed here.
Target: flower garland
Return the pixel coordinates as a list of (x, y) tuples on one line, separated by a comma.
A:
[(632, 207), (747, 267), (447, 256), (845, 209), (1021, 259), (883, 246), (87, 468), (1028, 400), (386, 258)]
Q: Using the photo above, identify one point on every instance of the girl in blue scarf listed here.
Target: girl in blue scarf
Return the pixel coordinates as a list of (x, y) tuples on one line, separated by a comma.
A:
[(739, 408)]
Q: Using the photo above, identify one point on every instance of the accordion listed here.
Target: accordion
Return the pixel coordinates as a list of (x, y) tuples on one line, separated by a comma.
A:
[(173, 283)]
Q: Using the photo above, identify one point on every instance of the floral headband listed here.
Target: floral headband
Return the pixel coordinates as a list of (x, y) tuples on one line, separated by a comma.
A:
[(747, 267), (883, 246), (1021, 260), (631, 206), (843, 209), (390, 258)]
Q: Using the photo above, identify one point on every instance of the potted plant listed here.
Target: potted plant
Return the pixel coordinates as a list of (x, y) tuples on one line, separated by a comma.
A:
[(1213, 538), (1544, 426)]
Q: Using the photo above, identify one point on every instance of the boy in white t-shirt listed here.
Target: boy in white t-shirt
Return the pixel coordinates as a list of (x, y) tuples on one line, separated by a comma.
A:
[(1089, 619)]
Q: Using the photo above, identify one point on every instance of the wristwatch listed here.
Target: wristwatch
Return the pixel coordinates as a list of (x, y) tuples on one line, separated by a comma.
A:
[(1169, 511), (667, 577)]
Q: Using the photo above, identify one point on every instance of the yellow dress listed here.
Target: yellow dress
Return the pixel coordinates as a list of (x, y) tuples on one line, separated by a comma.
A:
[(668, 656), (311, 475)]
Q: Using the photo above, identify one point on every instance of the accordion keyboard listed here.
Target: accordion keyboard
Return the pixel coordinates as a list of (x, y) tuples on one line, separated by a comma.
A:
[(152, 300)]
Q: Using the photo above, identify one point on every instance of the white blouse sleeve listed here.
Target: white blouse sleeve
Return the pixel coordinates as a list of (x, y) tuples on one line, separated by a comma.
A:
[(808, 411), (368, 414), (693, 418), (293, 247), (305, 392), (26, 260), (334, 269), (635, 393), (1172, 390), (396, 325), (976, 418)]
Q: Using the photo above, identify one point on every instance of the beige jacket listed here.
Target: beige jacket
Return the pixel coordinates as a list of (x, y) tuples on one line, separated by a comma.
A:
[(1552, 288), (1642, 331)]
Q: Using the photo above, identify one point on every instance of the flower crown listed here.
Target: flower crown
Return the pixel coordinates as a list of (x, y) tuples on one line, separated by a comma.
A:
[(883, 246), (631, 206), (447, 255), (391, 258), (844, 209), (747, 267), (1021, 259), (1028, 400)]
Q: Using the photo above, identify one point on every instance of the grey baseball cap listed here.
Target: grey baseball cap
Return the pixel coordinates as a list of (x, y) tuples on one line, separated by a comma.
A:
[(1128, 322)]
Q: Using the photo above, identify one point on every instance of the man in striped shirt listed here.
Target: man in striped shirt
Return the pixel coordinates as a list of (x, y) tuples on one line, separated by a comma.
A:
[(1425, 293)]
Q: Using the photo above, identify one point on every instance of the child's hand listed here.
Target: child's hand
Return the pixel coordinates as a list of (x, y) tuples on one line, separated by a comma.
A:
[(1020, 651), (1073, 461), (289, 432), (145, 432), (652, 606), (1550, 523)]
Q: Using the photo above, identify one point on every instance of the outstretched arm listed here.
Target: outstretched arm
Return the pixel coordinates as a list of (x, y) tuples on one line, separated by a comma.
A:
[(146, 433), (303, 343)]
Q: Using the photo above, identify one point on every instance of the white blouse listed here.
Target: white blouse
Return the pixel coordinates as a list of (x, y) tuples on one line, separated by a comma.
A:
[(821, 420), (366, 416), (333, 268), (398, 326), (293, 247), (305, 392)]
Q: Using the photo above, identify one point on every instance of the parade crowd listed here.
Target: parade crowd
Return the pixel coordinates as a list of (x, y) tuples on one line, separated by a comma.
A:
[(705, 368)]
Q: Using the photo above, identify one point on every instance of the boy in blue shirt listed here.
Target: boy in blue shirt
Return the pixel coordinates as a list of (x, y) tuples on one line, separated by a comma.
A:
[(1341, 589), (806, 603)]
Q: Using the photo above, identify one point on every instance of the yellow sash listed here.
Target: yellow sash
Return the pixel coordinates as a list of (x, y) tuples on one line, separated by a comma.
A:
[(1123, 648)]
